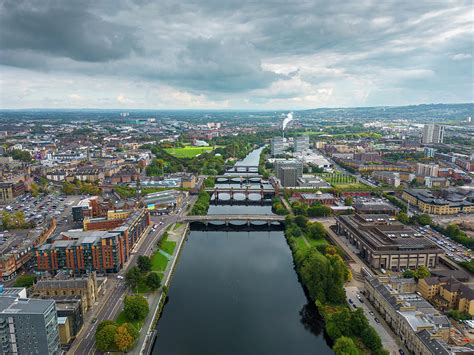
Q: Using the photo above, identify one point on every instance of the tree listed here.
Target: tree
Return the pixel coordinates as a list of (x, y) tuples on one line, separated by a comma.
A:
[(135, 308), (103, 324), (68, 188), (34, 188), (316, 231), (133, 277), (319, 210), (424, 219), (25, 280), (132, 330), (345, 346), (348, 201), (301, 221), (408, 274), (422, 272), (403, 217), (144, 263), (105, 338), (153, 280), (122, 339)]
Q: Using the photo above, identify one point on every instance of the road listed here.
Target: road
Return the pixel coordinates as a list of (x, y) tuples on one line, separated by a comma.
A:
[(390, 341), (110, 304)]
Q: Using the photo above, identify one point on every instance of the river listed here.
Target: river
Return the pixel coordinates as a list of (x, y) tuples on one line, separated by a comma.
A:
[(237, 293)]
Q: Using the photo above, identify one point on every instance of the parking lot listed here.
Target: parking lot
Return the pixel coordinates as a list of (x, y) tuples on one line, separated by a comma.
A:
[(357, 300), (455, 251), (37, 209)]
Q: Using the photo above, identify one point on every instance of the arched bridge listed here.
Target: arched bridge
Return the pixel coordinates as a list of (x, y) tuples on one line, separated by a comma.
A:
[(233, 217), (242, 169)]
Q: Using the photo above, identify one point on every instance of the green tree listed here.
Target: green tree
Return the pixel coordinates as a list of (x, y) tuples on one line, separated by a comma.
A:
[(144, 263), (316, 231), (135, 308), (133, 277), (68, 188), (345, 346), (34, 188), (25, 280), (424, 219), (103, 324), (403, 217), (348, 201), (105, 338), (301, 221), (408, 274), (153, 280), (422, 272)]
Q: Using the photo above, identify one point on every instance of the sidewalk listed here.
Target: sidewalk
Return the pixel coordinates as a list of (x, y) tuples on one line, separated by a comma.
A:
[(145, 340)]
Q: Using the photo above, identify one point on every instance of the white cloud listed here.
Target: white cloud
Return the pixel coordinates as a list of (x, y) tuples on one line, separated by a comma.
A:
[(461, 56)]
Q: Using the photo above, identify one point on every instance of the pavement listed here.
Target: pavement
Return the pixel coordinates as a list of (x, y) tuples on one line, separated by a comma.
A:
[(110, 304), (390, 341)]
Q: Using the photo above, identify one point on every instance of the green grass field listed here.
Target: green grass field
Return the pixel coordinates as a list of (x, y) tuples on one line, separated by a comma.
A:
[(159, 262), (187, 152), (168, 246), (302, 245)]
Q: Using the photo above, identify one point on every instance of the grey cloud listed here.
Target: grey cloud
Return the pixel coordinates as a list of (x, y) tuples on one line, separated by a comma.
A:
[(64, 28), (218, 47)]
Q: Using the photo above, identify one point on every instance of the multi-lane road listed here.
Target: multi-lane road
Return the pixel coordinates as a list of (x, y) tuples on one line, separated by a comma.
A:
[(110, 303)]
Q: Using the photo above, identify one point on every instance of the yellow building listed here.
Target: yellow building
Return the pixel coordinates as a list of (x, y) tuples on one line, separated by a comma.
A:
[(427, 202), (118, 214), (429, 287), (188, 182), (447, 293)]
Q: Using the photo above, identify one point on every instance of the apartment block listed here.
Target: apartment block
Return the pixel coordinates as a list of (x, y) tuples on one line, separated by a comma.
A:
[(277, 147), (28, 326)]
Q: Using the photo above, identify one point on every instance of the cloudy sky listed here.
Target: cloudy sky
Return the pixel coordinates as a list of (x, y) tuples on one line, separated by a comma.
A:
[(260, 54)]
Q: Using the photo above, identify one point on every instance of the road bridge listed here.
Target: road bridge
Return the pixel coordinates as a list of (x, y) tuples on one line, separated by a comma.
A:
[(242, 169), (233, 217), (264, 192)]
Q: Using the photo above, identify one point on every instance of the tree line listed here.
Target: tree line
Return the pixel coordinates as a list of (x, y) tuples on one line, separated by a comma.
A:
[(323, 272)]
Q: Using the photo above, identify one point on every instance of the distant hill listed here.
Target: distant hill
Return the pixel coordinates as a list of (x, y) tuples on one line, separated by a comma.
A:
[(425, 112)]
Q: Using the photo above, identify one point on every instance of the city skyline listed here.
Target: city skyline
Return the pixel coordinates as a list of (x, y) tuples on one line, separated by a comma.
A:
[(245, 55)]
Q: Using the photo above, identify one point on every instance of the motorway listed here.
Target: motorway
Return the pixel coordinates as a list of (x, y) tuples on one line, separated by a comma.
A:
[(110, 304)]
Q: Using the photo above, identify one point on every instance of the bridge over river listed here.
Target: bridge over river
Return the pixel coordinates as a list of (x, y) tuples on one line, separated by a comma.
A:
[(233, 217)]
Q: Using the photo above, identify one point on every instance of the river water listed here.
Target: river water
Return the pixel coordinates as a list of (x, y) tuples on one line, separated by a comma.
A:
[(237, 293)]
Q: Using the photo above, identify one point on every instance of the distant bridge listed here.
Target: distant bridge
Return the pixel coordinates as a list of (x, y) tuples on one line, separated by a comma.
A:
[(242, 169), (233, 217), (246, 191), (238, 179)]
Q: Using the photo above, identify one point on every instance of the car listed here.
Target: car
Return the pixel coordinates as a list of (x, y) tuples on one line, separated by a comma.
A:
[(401, 351), (120, 277), (94, 320), (350, 301), (371, 313), (376, 320), (353, 305)]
